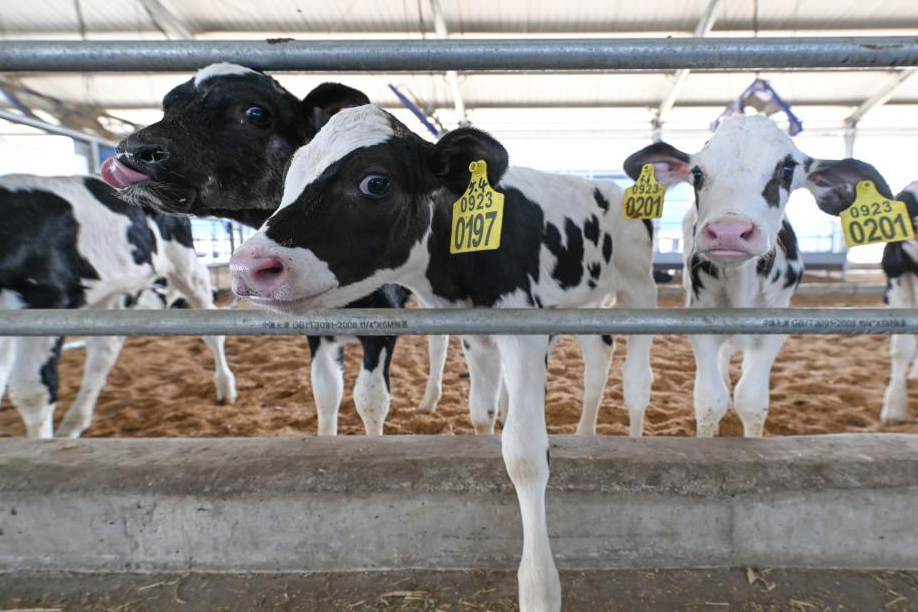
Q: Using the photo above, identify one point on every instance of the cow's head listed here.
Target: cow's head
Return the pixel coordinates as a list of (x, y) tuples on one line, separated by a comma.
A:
[(742, 178), (223, 143), (357, 205)]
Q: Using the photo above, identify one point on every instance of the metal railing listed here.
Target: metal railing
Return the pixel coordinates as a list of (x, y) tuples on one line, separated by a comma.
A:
[(658, 54), (651, 54), (523, 321)]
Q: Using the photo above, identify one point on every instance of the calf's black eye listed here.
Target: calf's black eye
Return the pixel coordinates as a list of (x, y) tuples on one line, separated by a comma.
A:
[(257, 115), (375, 185), (697, 176), (787, 171)]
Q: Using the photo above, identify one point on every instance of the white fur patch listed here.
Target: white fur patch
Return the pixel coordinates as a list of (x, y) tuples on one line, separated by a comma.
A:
[(348, 130), (11, 300), (221, 69)]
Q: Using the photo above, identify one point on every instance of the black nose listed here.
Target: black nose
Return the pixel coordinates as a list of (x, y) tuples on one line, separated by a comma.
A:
[(146, 153)]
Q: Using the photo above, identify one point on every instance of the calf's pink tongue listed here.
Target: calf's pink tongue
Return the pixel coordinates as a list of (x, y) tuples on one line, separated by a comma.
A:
[(119, 176)]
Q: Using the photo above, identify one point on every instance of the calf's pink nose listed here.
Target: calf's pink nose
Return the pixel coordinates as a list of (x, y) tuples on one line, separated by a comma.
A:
[(254, 275), (729, 235)]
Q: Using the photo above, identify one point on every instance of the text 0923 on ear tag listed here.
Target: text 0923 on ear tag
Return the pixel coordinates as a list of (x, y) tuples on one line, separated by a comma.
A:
[(478, 215), (873, 218), (644, 199)]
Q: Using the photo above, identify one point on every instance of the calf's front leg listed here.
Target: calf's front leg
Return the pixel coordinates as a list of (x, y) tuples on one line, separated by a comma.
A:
[(371, 392), (597, 356), (750, 398), (902, 350), (524, 443), (326, 372), (437, 348), (711, 396), (101, 354), (483, 360), (33, 383)]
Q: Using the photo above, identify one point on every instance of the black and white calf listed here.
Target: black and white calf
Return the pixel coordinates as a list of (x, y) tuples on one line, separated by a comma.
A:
[(740, 250), (69, 242), (368, 202), (221, 149), (900, 263)]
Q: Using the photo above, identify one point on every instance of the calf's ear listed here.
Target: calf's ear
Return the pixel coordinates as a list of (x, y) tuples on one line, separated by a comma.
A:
[(449, 159), (833, 182), (324, 101), (669, 163)]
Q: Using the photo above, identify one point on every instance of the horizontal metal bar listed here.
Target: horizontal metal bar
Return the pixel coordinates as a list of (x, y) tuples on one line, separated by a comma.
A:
[(385, 322), (56, 129), (465, 54)]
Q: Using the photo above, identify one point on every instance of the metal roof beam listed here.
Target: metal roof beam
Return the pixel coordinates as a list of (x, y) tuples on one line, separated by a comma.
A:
[(452, 77), (704, 27), (167, 22), (881, 96)]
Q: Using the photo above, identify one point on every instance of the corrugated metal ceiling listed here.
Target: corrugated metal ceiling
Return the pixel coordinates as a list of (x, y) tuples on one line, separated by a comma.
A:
[(50, 19)]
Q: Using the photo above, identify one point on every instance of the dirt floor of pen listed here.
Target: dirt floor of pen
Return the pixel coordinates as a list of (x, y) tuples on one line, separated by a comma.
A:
[(162, 386)]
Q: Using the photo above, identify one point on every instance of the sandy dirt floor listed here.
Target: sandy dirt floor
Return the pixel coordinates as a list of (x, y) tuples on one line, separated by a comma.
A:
[(162, 387)]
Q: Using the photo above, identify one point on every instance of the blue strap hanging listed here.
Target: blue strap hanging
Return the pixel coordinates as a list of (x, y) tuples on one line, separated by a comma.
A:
[(762, 97)]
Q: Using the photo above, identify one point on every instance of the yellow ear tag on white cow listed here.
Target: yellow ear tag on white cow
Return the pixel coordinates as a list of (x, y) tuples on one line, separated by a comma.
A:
[(873, 218), (478, 215), (644, 199)]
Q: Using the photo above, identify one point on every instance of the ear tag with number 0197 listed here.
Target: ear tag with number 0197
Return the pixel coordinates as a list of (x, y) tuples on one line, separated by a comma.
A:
[(644, 199), (873, 218), (478, 215)]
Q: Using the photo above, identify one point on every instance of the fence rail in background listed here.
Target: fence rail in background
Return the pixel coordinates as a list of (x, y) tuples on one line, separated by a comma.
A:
[(385, 322), (465, 54)]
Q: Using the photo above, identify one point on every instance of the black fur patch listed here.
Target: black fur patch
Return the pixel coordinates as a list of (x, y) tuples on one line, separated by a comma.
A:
[(607, 339), (48, 372), (594, 270), (486, 276), (569, 267), (39, 254), (601, 201), (591, 230), (765, 264), (139, 234), (787, 240), (372, 349), (772, 192), (793, 277), (896, 261), (174, 228), (698, 265), (607, 247)]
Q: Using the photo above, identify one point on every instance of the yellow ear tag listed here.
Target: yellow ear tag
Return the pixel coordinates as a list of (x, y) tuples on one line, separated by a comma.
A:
[(644, 199), (478, 215), (873, 218)]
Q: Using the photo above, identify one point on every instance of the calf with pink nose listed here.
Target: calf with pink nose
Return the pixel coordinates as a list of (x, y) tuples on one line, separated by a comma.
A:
[(739, 248), (368, 202)]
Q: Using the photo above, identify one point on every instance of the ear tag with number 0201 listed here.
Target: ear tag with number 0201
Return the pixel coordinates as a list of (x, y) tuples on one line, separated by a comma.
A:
[(873, 218), (478, 215), (644, 199)]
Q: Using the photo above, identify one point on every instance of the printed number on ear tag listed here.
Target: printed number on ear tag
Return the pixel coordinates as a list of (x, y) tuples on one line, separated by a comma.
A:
[(478, 215), (644, 199), (873, 218)]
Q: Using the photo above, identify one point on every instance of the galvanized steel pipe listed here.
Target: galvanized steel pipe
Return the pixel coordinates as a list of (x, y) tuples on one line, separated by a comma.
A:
[(384, 322), (566, 54)]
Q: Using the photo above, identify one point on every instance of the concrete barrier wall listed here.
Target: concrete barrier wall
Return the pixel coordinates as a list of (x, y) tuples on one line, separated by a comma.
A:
[(314, 504)]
